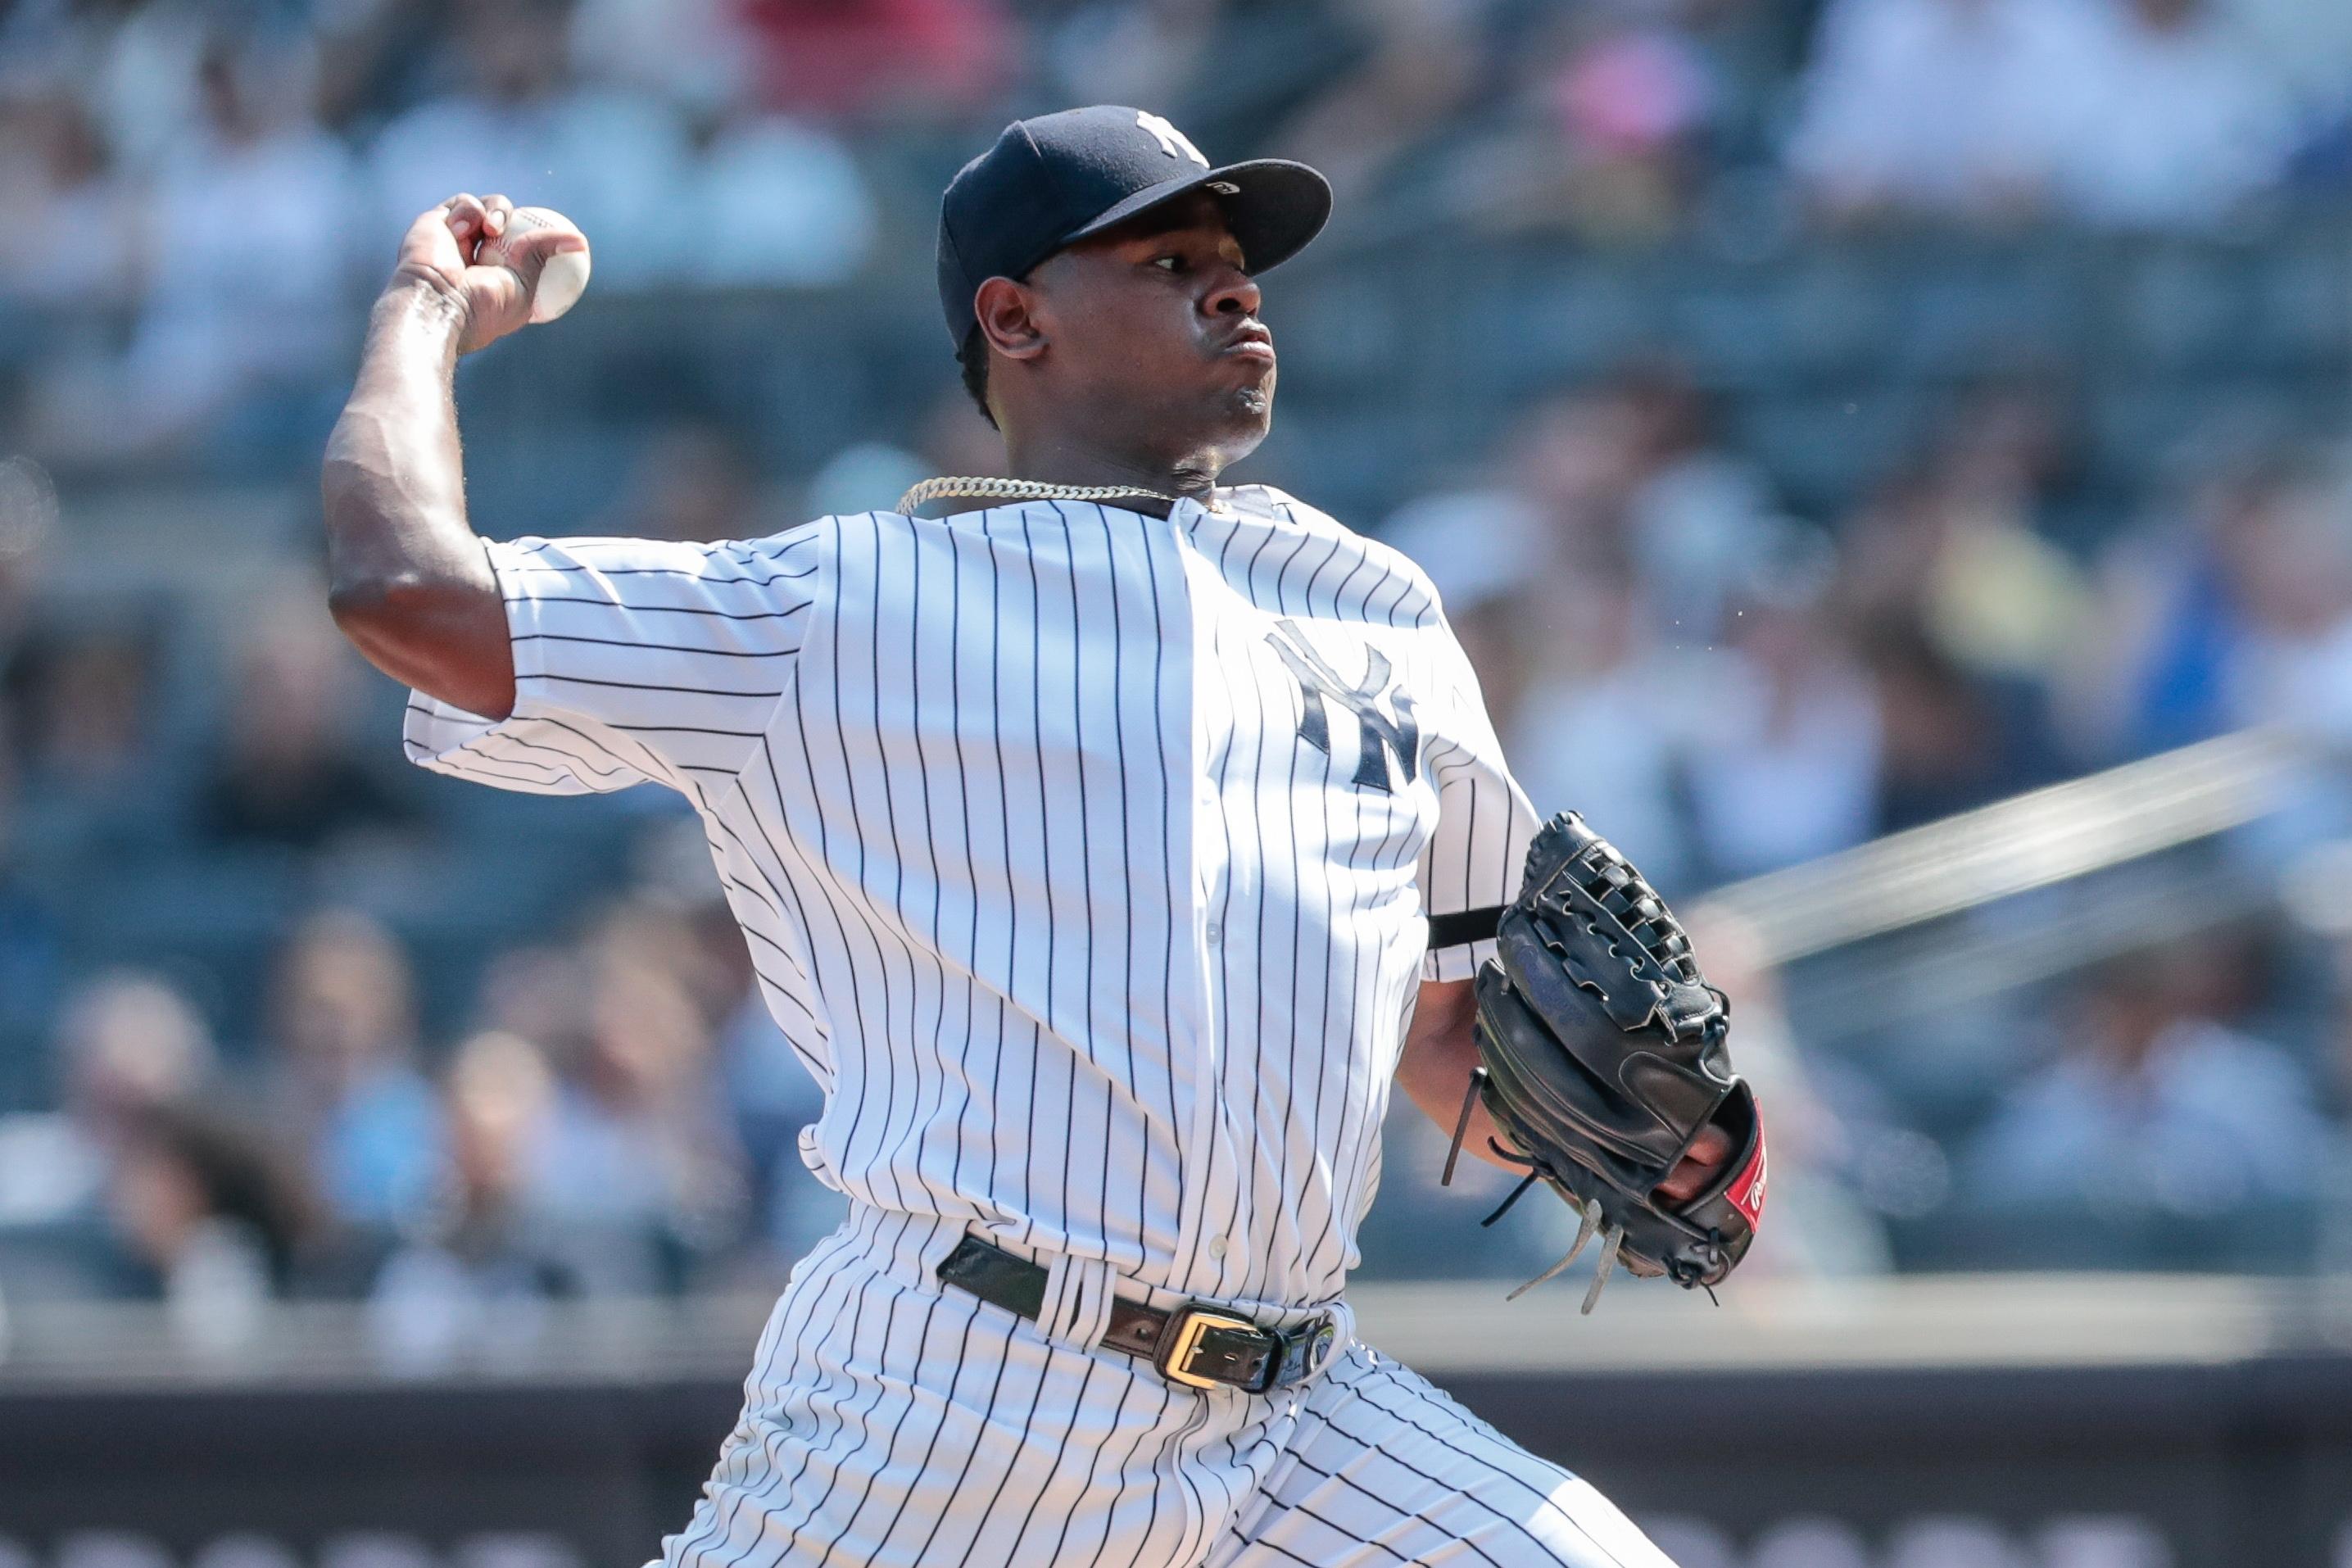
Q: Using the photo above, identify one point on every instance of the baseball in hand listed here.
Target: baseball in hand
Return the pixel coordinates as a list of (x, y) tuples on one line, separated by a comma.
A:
[(564, 278)]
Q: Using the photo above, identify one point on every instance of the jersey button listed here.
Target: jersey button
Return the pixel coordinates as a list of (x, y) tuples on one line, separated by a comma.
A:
[(1216, 931), (1216, 1246)]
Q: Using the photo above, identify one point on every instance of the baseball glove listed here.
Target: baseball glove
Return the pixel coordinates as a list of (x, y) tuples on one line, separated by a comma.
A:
[(1603, 1058)]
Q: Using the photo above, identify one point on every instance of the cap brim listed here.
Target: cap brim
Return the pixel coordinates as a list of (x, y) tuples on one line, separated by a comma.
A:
[(1273, 206)]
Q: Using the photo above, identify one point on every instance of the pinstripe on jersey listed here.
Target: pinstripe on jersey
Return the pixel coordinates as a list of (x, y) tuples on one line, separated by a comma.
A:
[(1084, 854)]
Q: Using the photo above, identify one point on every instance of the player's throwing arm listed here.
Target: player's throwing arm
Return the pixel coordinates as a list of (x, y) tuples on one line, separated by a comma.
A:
[(409, 583)]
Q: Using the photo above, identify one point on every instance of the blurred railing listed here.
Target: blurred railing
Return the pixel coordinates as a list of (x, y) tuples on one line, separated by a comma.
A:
[(2041, 885), (2015, 845)]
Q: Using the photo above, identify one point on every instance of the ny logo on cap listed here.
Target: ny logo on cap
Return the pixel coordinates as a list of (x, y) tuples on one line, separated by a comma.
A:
[(1172, 142)]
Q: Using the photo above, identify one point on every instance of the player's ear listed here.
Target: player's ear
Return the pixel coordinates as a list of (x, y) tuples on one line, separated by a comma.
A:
[(1007, 313)]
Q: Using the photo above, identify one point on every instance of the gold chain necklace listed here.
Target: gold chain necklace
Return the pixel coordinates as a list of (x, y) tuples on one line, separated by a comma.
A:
[(1026, 489)]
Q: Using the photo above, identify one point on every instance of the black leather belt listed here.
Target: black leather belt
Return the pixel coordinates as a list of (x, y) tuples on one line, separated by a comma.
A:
[(1199, 1344)]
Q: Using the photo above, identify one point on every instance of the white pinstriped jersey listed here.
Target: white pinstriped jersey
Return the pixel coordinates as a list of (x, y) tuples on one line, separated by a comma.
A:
[(1084, 854)]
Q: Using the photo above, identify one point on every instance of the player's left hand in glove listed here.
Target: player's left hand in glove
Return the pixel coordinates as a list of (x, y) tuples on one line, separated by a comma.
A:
[(1603, 1061)]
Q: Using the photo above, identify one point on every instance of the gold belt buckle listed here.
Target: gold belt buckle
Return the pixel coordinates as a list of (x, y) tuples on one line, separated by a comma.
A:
[(1187, 1326)]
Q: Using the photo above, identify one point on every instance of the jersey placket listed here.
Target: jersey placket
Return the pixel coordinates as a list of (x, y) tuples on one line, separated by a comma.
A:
[(1204, 1238)]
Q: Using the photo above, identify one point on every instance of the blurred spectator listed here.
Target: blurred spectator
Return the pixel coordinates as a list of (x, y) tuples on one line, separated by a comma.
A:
[(639, 1145), (203, 1206), (2239, 614), (1942, 745), (918, 61), (67, 237), (2288, 568), (1965, 611), (865, 474), (246, 274), (85, 696), (1630, 103), (2331, 902), (2309, 46), (31, 956), (1419, 61), (342, 1069), (796, 210), (133, 64), (1612, 104), (2146, 675), (611, 160), (1699, 519), (2141, 114), (691, 53), (1131, 51), (2179, 119), (2156, 1102), (535, 992), (690, 481), (1956, 109), (248, 230), (1604, 719), (1998, 596), (126, 1044), (286, 773), (474, 1264), (1626, 473), (1784, 754)]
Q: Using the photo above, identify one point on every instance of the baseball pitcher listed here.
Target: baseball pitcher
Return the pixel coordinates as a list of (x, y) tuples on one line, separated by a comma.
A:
[(1108, 841)]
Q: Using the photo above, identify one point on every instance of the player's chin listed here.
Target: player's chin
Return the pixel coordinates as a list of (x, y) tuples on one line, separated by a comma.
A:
[(1254, 370), (1250, 395), (1246, 414)]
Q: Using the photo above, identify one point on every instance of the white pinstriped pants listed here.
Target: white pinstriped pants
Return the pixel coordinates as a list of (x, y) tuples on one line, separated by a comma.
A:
[(888, 1420)]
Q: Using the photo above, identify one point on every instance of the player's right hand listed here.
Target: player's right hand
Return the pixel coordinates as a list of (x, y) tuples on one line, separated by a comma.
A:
[(438, 251)]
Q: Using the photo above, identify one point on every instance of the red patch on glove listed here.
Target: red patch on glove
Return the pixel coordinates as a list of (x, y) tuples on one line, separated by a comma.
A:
[(1747, 1193)]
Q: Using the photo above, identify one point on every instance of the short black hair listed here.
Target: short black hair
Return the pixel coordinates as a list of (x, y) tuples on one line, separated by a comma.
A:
[(973, 358)]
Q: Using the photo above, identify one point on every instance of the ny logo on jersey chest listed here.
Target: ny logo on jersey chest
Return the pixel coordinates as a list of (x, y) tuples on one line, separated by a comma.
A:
[(1319, 684)]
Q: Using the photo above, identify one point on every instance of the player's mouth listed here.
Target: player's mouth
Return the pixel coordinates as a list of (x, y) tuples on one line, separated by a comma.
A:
[(1252, 341)]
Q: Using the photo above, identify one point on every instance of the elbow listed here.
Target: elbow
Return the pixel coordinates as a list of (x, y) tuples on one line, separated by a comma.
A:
[(367, 608), (421, 634), (380, 617), (395, 612), (351, 601)]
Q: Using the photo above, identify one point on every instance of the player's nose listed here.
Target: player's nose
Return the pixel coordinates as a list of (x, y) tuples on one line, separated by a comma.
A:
[(1233, 293)]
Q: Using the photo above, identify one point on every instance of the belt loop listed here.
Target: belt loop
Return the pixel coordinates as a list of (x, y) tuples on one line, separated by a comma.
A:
[(1077, 1300), (931, 1246)]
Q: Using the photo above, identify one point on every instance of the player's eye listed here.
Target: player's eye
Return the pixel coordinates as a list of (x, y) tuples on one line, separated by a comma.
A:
[(1173, 263)]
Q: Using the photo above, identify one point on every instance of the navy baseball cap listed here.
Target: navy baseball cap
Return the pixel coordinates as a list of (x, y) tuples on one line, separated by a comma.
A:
[(1054, 180)]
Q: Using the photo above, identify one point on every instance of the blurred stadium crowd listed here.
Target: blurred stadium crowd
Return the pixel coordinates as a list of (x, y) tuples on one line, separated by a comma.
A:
[(278, 1016)]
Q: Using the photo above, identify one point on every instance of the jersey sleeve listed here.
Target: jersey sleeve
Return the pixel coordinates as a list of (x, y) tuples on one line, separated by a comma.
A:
[(1474, 859), (635, 659)]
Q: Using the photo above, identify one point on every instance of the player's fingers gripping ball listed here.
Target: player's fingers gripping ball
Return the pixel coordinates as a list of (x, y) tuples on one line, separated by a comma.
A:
[(547, 252), (1603, 1057)]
